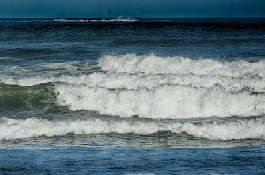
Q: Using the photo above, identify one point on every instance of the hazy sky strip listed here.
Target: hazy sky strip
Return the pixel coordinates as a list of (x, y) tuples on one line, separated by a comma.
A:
[(131, 8)]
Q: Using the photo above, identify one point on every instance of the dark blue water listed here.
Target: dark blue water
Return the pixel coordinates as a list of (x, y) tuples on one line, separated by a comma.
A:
[(77, 39), (82, 160), (132, 96)]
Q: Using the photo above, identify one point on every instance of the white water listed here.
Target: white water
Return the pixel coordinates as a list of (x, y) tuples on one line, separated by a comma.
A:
[(163, 102), (171, 87), (151, 64), (119, 19), (32, 127), (135, 81), (150, 86)]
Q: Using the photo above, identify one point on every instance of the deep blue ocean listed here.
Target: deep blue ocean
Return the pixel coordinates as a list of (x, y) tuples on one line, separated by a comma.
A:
[(132, 96)]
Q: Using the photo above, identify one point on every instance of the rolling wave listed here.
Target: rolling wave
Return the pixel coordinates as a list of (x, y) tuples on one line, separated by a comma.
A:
[(168, 87), (32, 127), (163, 102), (152, 64), (150, 86)]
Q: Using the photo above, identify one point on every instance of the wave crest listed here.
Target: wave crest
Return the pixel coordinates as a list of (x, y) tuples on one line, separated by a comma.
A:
[(152, 64), (32, 127)]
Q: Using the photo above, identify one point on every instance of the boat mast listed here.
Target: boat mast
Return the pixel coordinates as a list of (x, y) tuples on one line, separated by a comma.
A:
[(109, 11)]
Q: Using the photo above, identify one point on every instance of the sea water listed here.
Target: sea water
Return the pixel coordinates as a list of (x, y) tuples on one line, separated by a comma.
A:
[(132, 96)]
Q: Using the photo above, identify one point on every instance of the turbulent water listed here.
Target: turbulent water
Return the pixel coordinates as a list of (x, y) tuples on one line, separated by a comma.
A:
[(132, 96)]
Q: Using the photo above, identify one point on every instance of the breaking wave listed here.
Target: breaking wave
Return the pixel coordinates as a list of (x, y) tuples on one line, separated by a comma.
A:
[(102, 20), (163, 102), (168, 87), (150, 86), (151, 64), (32, 127), (177, 89)]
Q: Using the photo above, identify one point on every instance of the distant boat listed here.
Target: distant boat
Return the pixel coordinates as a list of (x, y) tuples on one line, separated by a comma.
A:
[(110, 19), (120, 18)]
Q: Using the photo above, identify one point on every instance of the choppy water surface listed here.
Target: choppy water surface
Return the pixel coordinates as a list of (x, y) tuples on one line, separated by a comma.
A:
[(130, 96)]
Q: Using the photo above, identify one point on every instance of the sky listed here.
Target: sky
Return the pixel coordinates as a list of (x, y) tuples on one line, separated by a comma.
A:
[(131, 8)]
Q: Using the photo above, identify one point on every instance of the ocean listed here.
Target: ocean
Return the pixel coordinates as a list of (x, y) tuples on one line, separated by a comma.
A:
[(132, 96)]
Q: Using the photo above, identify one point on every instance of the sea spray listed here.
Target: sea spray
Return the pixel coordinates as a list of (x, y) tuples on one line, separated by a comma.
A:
[(32, 127), (167, 87)]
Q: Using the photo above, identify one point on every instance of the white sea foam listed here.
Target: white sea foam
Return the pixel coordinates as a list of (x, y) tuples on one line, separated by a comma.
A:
[(136, 81), (166, 101), (105, 20), (70, 20), (132, 81), (154, 87), (121, 80), (44, 73), (119, 19), (32, 127), (152, 64)]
